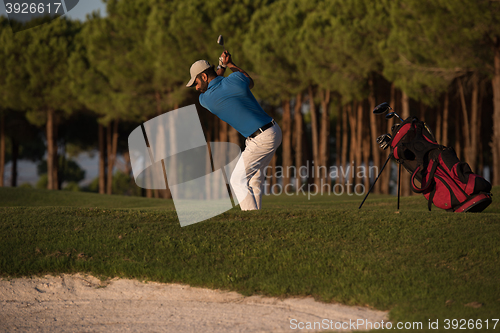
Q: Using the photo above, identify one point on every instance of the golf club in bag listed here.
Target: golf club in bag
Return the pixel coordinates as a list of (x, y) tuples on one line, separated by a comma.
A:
[(445, 181)]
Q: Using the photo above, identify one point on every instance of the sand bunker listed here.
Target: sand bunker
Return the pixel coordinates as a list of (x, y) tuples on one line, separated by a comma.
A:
[(81, 303)]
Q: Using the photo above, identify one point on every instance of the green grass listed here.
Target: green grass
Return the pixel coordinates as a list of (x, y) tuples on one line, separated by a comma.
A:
[(420, 265)]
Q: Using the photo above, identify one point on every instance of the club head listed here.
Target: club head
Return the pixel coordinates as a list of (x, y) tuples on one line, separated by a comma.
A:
[(384, 140), (382, 108), (395, 127), (220, 40), (385, 145), (392, 115), (381, 138)]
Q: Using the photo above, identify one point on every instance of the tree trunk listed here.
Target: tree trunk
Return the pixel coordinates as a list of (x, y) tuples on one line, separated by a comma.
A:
[(446, 111), (307, 154), (458, 147), (287, 141), (405, 105), (480, 163), (359, 140), (102, 161), (480, 157), (475, 123), (495, 142), (109, 149), (324, 138), (2, 149), (223, 131), (234, 136), (128, 166), (15, 156), (62, 167), (439, 125), (366, 157), (209, 168), (112, 148), (271, 174), (52, 159), (466, 128), (422, 111), (354, 146), (345, 142), (314, 127), (374, 134), (166, 194), (213, 130), (158, 103), (338, 138), (298, 134)]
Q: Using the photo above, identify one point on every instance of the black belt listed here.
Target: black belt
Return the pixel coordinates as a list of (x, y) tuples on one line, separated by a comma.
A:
[(262, 129)]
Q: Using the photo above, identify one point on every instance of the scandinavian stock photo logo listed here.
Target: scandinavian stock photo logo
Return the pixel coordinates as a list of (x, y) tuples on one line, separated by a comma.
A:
[(172, 146), (36, 12)]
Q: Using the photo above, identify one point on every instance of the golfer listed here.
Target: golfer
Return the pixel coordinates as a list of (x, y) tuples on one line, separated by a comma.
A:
[(230, 99)]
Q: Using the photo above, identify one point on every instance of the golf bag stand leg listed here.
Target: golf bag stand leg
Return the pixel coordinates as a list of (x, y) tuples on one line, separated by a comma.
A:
[(371, 187)]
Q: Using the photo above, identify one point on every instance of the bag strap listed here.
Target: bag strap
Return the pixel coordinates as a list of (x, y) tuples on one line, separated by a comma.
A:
[(433, 192), (431, 199), (430, 178)]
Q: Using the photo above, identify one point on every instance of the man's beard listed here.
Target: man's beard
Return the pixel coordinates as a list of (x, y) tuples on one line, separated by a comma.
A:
[(203, 86)]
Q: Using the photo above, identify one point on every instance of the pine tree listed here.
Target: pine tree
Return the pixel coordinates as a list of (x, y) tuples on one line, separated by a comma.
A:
[(273, 46), (37, 78), (425, 54)]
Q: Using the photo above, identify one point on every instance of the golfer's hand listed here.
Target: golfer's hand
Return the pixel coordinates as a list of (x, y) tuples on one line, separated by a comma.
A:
[(225, 58)]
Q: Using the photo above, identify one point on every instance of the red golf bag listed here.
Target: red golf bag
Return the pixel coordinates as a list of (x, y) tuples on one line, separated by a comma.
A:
[(444, 180)]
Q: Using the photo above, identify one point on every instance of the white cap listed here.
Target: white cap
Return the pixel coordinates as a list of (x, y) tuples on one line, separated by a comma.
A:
[(197, 68)]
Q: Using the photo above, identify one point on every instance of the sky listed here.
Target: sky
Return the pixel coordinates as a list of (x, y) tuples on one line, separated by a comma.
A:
[(83, 8), (27, 170)]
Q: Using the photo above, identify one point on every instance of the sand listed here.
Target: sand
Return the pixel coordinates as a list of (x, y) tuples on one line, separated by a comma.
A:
[(82, 303)]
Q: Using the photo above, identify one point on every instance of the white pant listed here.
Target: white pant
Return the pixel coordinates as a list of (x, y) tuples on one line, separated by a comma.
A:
[(249, 173)]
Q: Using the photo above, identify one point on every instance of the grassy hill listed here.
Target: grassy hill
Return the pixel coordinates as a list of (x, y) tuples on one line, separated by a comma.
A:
[(421, 265)]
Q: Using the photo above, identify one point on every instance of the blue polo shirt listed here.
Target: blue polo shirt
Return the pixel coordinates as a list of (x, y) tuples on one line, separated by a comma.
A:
[(230, 99)]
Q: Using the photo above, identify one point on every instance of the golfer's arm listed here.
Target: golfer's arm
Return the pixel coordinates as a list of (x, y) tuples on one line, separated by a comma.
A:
[(235, 68), (220, 71)]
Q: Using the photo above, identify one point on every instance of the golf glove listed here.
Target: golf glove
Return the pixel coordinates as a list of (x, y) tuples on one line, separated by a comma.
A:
[(221, 64)]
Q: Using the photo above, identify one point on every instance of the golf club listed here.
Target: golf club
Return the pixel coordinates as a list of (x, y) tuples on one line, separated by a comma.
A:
[(220, 41), (382, 108), (384, 140), (391, 115)]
